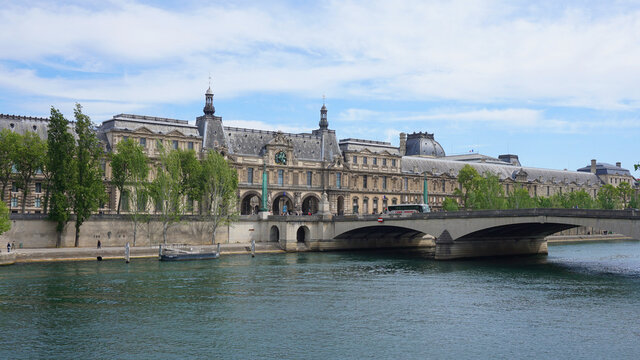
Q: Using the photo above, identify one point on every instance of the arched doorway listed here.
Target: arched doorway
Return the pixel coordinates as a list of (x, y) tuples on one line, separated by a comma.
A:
[(250, 204), (340, 205), (280, 203), (274, 234), (302, 234), (310, 205)]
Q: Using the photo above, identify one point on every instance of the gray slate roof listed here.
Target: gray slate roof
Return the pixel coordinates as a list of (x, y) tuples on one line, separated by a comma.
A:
[(306, 146), (606, 169), (413, 164), (22, 124), (376, 147)]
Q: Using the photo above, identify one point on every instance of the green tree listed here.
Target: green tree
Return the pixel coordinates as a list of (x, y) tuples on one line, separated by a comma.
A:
[(487, 193), (59, 162), (5, 223), (625, 191), (449, 204), (8, 145), (219, 185), (165, 190), (580, 199), (190, 178), (520, 199), (87, 191), (31, 155), (468, 179), (608, 197), (130, 168)]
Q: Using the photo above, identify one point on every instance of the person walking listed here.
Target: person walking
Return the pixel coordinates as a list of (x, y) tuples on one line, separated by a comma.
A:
[(8, 247), (99, 245)]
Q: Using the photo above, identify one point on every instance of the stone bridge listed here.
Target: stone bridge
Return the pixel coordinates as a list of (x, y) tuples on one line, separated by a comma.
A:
[(457, 234)]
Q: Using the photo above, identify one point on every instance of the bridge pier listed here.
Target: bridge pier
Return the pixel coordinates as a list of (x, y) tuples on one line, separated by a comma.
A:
[(449, 250)]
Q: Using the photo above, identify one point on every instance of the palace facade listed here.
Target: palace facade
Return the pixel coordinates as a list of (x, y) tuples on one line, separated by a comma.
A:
[(355, 176)]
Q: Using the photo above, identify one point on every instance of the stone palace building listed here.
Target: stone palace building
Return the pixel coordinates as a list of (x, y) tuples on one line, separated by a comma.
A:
[(358, 176)]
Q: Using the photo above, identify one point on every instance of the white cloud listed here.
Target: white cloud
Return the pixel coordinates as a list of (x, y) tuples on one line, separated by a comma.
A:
[(482, 52)]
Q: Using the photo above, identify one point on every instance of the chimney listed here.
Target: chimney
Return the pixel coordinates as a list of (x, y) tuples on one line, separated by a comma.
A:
[(403, 144), (593, 166), (619, 164)]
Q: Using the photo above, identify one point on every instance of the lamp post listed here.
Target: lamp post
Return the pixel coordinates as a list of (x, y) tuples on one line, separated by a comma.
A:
[(425, 192)]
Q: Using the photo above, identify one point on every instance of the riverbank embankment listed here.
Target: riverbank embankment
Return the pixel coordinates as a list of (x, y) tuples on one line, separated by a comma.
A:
[(557, 239), (114, 253)]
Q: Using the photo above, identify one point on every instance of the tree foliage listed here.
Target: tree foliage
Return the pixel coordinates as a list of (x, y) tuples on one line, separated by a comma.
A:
[(218, 187), (165, 190), (449, 204), (59, 162), (87, 191), (5, 223), (8, 144), (608, 197), (519, 198), (30, 156)]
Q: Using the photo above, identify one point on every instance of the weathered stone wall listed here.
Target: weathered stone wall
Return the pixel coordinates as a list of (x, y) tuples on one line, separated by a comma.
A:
[(35, 231)]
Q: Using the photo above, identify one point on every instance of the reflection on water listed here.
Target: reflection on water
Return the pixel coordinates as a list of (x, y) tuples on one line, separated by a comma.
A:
[(582, 301)]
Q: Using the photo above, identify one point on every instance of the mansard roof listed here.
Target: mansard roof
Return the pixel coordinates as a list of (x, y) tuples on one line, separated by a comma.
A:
[(306, 146), (158, 125), (606, 169), (375, 147), (418, 165), (22, 124)]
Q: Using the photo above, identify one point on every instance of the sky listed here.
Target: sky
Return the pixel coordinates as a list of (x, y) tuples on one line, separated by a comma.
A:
[(555, 82)]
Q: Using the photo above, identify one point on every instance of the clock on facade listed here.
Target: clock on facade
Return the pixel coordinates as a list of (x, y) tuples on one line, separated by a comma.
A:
[(281, 158)]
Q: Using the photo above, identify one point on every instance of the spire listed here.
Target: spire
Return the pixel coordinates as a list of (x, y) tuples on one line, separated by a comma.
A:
[(209, 109), (324, 123)]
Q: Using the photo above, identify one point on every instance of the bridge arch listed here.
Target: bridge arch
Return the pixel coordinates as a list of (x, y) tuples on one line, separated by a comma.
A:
[(281, 200), (375, 232), (303, 234), (310, 204)]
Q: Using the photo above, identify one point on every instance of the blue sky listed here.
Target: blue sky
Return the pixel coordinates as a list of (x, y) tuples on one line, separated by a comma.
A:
[(557, 83)]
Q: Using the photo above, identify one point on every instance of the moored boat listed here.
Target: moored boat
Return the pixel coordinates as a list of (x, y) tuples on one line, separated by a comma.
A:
[(178, 253)]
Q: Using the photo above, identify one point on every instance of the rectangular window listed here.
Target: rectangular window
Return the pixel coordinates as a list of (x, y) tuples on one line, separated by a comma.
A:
[(175, 144), (38, 188), (158, 144), (393, 162), (384, 182), (355, 159), (339, 180), (189, 204), (548, 191), (143, 142), (14, 201), (142, 202), (280, 177), (124, 201), (309, 178), (103, 167), (375, 206), (125, 138), (364, 160), (375, 161), (14, 187), (190, 145), (355, 206), (384, 162), (406, 183), (36, 203), (14, 169), (364, 181), (250, 175), (444, 184)]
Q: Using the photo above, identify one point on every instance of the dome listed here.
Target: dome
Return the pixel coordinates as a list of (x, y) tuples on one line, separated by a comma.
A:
[(423, 144)]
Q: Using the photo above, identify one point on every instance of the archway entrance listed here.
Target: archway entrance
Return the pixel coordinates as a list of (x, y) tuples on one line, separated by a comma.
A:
[(340, 205), (303, 234), (274, 234), (282, 203), (310, 205), (250, 204)]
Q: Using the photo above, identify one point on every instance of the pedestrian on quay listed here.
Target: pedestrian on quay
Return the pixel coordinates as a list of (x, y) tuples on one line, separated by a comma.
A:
[(99, 245), (8, 247)]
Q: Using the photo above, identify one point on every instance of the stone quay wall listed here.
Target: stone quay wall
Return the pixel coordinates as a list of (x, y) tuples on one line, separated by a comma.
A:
[(36, 231)]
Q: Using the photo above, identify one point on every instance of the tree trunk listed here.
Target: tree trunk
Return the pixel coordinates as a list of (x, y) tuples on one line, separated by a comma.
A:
[(119, 201), (77, 234), (24, 197), (46, 201), (4, 187), (164, 232), (59, 239), (135, 230)]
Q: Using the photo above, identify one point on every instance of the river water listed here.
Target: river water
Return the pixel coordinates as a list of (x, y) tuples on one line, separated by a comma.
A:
[(582, 301)]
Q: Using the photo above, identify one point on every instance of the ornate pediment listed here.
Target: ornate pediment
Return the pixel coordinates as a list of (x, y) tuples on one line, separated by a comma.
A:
[(280, 139)]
